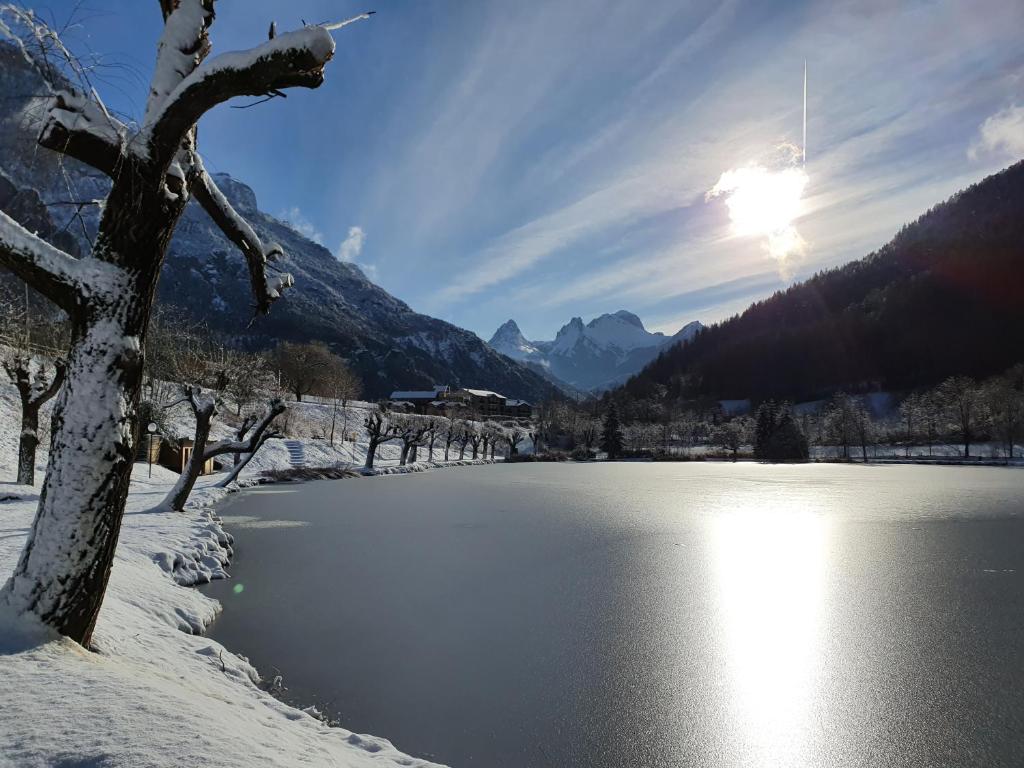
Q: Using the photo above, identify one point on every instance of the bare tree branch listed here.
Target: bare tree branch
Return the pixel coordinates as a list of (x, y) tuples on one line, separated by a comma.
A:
[(64, 280), (265, 291), (255, 438), (293, 59), (76, 126), (339, 24)]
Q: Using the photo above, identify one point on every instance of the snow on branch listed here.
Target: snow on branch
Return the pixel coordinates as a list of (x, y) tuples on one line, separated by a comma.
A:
[(61, 278), (80, 128), (183, 45), (265, 289), (293, 59)]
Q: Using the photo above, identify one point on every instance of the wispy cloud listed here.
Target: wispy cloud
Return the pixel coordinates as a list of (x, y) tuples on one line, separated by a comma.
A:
[(1001, 134), (352, 245)]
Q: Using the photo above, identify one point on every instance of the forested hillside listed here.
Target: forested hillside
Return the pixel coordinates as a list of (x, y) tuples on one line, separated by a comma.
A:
[(944, 297)]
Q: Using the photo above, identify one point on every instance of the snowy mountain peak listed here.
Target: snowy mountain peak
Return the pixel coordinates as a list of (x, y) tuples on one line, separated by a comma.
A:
[(509, 341), (592, 356), (508, 328), (573, 326), (240, 195), (622, 331), (622, 314), (688, 331)]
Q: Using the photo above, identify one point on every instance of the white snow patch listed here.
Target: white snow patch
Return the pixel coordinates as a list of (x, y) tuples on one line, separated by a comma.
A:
[(156, 692)]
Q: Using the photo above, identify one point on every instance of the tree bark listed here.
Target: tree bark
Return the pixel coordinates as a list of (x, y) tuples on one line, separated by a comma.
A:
[(83, 496), (371, 449), (194, 468), (27, 443)]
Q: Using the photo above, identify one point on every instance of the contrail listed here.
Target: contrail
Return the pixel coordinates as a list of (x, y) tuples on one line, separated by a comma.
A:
[(804, 145)]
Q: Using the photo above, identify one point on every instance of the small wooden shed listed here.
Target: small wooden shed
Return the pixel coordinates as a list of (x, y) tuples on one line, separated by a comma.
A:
[(176, 458)]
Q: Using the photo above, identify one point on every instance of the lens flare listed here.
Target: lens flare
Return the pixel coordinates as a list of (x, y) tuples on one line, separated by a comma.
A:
[(764, 204)]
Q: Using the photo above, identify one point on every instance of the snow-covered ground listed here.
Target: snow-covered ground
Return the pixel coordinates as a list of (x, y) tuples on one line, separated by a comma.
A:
[(156, 692)]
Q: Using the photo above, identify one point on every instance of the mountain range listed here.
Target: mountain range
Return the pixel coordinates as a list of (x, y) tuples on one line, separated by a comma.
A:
[(595, 356), (388, 344), (944, 297)]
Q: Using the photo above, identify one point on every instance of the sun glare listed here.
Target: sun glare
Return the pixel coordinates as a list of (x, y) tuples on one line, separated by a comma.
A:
[(770, 566), (764, 203)]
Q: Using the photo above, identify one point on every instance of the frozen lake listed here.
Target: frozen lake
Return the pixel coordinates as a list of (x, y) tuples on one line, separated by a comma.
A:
[(614, 615)]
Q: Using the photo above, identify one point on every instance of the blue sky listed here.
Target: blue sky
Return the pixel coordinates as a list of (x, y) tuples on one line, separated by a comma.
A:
[(487, 159)]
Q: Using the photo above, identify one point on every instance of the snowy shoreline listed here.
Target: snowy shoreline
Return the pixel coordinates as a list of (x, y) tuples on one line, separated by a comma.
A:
[(157, 691)]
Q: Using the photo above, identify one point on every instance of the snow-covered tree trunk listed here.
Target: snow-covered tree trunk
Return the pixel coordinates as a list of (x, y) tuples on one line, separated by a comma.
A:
[(378, 430), (33, 391), (203, 408), (63, 571), (27, 444), (371, 452)]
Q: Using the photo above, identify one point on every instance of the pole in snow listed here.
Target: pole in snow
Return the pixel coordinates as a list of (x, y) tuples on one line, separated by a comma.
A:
[(149, 454)]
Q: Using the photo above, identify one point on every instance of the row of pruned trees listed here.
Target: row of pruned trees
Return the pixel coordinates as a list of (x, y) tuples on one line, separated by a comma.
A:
[(482, 439)]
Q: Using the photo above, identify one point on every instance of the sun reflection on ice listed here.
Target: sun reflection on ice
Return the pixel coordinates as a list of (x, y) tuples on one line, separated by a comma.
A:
[(770, 578)]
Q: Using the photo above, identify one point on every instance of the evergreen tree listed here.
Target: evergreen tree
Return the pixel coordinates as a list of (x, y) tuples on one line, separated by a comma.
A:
[(611, 433), (764, 428), (777, 436), (788, 443)]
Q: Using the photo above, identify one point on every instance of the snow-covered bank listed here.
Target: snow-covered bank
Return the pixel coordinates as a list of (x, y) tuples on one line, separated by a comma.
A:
[(422, 466), (156, 692)]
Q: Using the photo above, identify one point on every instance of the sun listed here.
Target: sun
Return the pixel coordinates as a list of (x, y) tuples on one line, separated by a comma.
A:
[(765, 203)]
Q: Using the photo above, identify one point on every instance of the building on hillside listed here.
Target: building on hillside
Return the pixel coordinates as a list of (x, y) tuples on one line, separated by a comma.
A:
[(481, 403), (519, 409), (418, 400)]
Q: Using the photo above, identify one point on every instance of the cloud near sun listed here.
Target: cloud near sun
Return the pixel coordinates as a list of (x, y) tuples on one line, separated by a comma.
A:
[(764, 203)]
